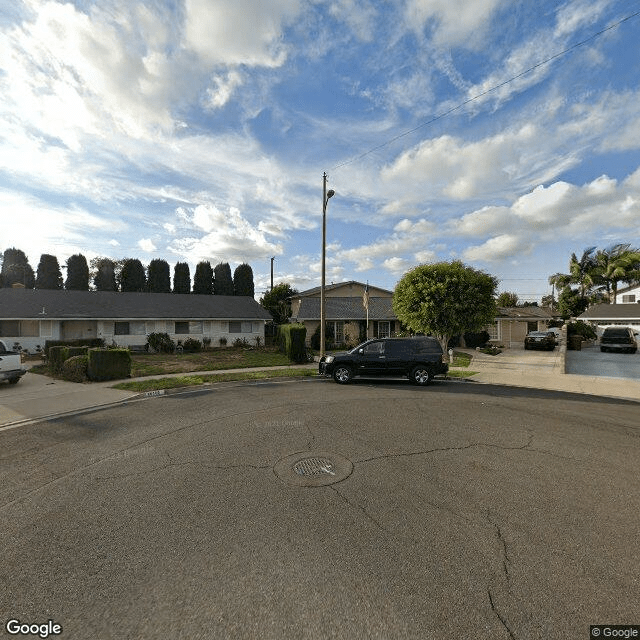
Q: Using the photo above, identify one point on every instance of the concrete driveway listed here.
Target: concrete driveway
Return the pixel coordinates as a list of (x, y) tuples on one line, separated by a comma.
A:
[(590, 361)]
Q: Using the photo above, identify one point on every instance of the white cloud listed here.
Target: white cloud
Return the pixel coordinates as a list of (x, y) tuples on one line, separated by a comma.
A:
[(146, 244), (397, 266), (498, 249), (235, 32), (458, 22), (227, 237), (223, 87)]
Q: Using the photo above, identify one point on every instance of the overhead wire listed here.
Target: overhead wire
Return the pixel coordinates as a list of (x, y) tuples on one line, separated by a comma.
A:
[(487, 91)]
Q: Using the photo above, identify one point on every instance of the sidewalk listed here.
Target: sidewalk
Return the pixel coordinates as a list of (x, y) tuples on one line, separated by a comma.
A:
[(544, 370), (38, 397)]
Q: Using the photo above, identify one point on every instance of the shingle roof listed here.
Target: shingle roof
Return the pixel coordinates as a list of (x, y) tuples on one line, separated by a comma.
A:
[(315, 291), (44, 304), (612, 312), (346, 309), (524, 313)]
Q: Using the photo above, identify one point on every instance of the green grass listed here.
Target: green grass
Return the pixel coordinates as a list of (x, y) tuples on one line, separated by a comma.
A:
[(461, 374), (216, 359), (141, 386), (462, 360)]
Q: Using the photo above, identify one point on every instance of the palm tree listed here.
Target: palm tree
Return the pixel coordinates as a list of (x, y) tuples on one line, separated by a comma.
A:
[(581, 272), (618, 263)]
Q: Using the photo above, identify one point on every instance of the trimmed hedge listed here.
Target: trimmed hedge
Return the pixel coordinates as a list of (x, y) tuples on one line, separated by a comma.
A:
[(109, 364), (57, 356), (75, 369), (82, 342), (291, 340)]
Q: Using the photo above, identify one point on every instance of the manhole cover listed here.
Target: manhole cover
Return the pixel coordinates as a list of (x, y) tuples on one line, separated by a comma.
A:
[(313, 469)]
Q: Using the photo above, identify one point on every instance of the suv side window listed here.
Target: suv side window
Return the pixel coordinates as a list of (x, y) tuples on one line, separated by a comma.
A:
[(374, 348)]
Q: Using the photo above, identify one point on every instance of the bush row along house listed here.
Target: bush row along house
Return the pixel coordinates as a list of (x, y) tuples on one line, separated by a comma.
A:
[(30, 317), (347, 317)]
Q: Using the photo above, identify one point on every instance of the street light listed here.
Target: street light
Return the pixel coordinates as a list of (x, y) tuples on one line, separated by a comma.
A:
[(325, 199)]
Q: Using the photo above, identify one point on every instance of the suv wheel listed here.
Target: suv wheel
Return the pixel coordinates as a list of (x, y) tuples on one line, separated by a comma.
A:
[(420, 375), (342, 374)]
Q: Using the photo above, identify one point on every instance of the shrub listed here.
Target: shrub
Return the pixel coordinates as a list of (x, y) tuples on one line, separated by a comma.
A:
[(241, 342), (293, 337), (191, 344), (57, 356), (161, 342), (81, 342), (206, 342), (75, 369), (328, 337), (223, 342), (581, 328), (477, 339), (109, 364)]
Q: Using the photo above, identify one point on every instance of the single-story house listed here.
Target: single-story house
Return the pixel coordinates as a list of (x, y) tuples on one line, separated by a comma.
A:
[(345, 311), (29, 317), (601, 316), (628, 295), (513, 323)]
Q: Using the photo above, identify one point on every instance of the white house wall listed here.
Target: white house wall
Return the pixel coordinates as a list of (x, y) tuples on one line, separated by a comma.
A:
[(252, 331)]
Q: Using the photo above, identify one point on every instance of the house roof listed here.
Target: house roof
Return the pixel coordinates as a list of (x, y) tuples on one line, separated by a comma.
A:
[(523, 313), (45, 304), (316, 290), (612, 312), (346, 309), (634, 287)]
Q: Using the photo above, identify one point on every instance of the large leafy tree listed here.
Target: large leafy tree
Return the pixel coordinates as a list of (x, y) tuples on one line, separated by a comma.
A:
[(132, 276), (159, 276), (445, 299), (104, 274), (203, 278), (77, 273), (48, 275), (222, 280), (243, 281), (16, 269), (181, 278), (278, 302)]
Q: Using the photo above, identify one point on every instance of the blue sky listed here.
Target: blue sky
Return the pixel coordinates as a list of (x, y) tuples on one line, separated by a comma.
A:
[(200, 130)]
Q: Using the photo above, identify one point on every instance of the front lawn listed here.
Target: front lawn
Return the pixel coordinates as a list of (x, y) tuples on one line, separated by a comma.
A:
[(153, 364)]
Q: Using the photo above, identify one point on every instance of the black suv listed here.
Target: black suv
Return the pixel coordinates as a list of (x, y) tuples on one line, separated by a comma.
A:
[(419, 359), (618, 339)]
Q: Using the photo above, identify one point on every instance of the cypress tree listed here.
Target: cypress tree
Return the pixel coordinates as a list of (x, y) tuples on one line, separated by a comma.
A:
[(104, 278), (16, 269), (203, 278), (77, 273), (181, 278), (222, 282), (48, 275), (132, 276), (243, 281), (159, 277)]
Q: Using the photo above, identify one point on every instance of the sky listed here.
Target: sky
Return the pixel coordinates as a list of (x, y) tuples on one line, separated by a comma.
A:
[(503, 133)]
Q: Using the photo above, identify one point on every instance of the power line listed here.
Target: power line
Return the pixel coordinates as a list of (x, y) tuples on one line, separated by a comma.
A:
[(487, 91)]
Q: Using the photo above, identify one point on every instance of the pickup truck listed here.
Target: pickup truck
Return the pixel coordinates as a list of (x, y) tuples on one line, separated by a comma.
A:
[(11, 368)]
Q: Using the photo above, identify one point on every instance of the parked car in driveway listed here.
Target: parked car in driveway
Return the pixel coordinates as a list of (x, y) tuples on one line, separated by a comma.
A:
[(11, 368), (618, 339), (540, 340), (419, 359)]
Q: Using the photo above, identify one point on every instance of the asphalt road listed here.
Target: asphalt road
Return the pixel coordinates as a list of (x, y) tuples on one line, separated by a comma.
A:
[(590, 361), (470, 511)]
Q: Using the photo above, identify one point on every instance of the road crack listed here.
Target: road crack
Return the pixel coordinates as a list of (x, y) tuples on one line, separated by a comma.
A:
[(499, 616), (359, 508)]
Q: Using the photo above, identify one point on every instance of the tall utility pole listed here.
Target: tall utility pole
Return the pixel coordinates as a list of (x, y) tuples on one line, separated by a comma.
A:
[(272, 259), (325, 199)]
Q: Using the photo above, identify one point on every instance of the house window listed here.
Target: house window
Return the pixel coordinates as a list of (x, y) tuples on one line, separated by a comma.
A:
[(338, 330), (10, 328), (629, 298), (384, 329), (121, 329), (182, 328), (532, 325), (195, 326), (236, 326), (492, 330)]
